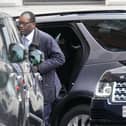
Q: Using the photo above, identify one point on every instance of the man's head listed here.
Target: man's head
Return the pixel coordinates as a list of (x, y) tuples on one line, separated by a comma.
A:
[(26, 22)]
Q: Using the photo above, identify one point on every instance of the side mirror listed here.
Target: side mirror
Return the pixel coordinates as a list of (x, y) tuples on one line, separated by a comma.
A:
[(36, 57), (16, 52)]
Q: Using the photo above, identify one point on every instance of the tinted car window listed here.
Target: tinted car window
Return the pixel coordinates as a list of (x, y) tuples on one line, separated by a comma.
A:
[(111, 34)]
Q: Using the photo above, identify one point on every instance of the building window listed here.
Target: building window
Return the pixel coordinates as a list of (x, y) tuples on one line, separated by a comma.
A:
[(38, 2)]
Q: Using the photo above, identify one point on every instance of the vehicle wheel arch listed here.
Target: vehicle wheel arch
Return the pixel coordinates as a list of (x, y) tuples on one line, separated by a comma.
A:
[(70, 101)]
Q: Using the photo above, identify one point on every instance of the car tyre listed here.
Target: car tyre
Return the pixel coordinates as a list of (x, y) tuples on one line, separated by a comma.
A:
[(29, 122), (78, 115)]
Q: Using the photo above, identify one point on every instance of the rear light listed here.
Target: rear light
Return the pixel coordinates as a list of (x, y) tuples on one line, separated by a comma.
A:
[(21, 82), (17, 88)]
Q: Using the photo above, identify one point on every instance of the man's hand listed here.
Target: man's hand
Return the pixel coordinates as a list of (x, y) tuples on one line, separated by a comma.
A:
[(34, 69)]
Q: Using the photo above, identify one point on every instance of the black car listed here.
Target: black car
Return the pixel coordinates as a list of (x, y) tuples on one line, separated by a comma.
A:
[(21, 99), (108, 105), (93, 42)]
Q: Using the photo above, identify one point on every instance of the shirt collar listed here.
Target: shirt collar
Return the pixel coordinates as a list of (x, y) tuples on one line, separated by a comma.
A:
[(29, 37)]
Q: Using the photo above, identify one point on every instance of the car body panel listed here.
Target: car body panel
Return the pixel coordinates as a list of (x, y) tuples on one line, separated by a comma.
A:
[(10, 97), (88, 77), (9, 100), (16, 80), (94, 58), (101, 55), (70, 17)]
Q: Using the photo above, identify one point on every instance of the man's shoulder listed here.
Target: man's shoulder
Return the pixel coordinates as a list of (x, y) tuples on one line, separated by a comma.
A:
[(44, 34)]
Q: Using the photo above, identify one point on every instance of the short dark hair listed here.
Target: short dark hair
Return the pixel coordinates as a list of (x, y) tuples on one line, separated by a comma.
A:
[(29, 14)]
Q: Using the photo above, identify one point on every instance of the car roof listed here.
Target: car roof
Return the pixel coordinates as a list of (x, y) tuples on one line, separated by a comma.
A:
[(82, 12), (63, 13), (81, 15)]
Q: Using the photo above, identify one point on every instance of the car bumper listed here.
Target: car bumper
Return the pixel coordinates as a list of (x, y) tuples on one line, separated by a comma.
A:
[(104, 113)]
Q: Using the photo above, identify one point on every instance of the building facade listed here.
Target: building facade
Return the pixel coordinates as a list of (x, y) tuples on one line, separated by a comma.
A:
[(15, 7)]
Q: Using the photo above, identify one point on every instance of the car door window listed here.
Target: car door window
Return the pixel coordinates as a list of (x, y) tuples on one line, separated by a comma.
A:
[(110, 34)]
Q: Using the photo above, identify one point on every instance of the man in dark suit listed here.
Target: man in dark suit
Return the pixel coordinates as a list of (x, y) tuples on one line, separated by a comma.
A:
[(54, 58)]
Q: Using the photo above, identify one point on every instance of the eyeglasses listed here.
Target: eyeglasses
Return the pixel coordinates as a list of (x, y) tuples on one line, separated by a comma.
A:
[(23, 23)]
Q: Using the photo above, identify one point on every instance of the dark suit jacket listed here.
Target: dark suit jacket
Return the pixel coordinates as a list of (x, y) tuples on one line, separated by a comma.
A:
[(53, 59)]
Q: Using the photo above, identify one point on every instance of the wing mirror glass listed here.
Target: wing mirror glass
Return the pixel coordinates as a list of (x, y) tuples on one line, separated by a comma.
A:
[(16, 52), (36, 57)]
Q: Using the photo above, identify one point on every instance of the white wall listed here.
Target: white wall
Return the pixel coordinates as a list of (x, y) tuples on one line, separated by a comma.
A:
[(15, 7), (10, 3), (20, 2), (115, 2)]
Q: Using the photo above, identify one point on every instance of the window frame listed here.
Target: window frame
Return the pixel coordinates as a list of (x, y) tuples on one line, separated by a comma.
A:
[(56, 2)]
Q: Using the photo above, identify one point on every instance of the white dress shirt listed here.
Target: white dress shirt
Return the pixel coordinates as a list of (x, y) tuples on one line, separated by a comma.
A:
[(27, 40)]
